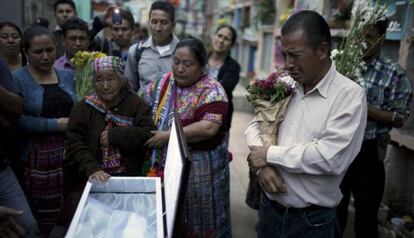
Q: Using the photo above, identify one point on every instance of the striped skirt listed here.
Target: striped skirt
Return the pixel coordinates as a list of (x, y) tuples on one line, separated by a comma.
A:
[(43, 180), (207, 205)]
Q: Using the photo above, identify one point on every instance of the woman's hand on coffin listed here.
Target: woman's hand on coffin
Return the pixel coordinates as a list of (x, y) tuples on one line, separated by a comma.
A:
[(100, 176), (159, 139), (271, 181)]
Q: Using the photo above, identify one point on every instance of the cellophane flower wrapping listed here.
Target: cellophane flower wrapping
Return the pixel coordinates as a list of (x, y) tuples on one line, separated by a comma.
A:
[(270, 98)]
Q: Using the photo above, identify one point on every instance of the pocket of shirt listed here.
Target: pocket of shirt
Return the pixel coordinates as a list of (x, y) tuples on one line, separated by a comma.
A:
[(375, 94)]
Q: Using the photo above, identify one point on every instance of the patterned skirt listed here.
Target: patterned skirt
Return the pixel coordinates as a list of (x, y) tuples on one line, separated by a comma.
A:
[(43, 180), (207, 205)]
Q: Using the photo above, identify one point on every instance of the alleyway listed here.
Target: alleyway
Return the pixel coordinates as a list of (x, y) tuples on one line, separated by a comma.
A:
[(243, 218)]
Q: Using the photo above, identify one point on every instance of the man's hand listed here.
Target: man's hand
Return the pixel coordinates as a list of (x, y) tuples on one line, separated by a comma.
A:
[(271, 181), (8, 226), (158, 140), (257, 157)]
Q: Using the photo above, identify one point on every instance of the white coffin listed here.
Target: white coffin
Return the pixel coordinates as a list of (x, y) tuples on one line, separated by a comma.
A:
[(135, 206)]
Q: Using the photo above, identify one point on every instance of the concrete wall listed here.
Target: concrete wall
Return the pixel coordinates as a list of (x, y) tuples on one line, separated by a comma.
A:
[(36, 8), (23, 12), (11, 10), (399, 189), (399, 185)]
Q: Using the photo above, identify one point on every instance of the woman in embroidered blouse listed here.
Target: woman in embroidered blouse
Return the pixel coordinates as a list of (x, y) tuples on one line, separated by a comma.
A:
[(48, 99), (107, 130), (202, 105)]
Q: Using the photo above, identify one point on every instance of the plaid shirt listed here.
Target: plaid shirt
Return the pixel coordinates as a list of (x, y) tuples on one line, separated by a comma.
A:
[(387, 88)]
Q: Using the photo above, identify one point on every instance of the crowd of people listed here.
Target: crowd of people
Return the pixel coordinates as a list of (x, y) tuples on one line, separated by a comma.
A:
[(53, 142), (64, 141)]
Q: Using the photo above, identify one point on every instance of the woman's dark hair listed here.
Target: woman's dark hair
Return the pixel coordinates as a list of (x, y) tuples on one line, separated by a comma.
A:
[(12, 25), (312, 24), (195, 46), (382, 26), (164, 6), (233, 32), (41, 21), (127, 15), (74, 23), (33, 31)]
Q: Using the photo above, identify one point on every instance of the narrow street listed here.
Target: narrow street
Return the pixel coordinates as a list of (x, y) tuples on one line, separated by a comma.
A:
[(243, 217)]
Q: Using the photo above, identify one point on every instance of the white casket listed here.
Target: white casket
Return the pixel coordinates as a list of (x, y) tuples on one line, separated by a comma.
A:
[(136, 206)]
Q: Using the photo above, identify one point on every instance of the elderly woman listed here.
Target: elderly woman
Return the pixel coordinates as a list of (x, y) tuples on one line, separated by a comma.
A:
[(48, 96), (202, 105), (107, 130)]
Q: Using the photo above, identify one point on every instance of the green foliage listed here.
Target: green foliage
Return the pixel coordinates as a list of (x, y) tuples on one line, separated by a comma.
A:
[(349, 58)]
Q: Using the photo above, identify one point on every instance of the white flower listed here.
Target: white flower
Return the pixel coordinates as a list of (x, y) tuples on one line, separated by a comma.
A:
[(334, 53), (349, 57), (288, 80), (364, 45)]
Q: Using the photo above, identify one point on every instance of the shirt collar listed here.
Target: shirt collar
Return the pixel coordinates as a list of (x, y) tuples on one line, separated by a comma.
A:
[(150, 43), (323, 86), (66, 63)]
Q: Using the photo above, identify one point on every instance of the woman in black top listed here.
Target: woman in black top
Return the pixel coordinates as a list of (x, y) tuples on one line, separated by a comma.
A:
[(222, 66)]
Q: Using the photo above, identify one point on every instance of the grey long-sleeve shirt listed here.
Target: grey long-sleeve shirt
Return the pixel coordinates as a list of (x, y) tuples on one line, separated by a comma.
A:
[(152, 65)]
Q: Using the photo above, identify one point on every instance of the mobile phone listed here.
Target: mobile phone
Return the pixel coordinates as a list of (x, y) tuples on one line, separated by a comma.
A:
[(116, 17)]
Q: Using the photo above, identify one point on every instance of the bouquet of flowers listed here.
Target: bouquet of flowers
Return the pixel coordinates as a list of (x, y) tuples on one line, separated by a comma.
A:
[(349, 58), (270, 98), (83, 61)]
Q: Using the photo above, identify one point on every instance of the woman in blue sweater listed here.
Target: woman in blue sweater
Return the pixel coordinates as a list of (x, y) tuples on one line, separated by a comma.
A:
[(49, 96)]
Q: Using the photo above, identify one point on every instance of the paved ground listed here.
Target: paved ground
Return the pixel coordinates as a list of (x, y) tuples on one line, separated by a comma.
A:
[(243, 217)]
